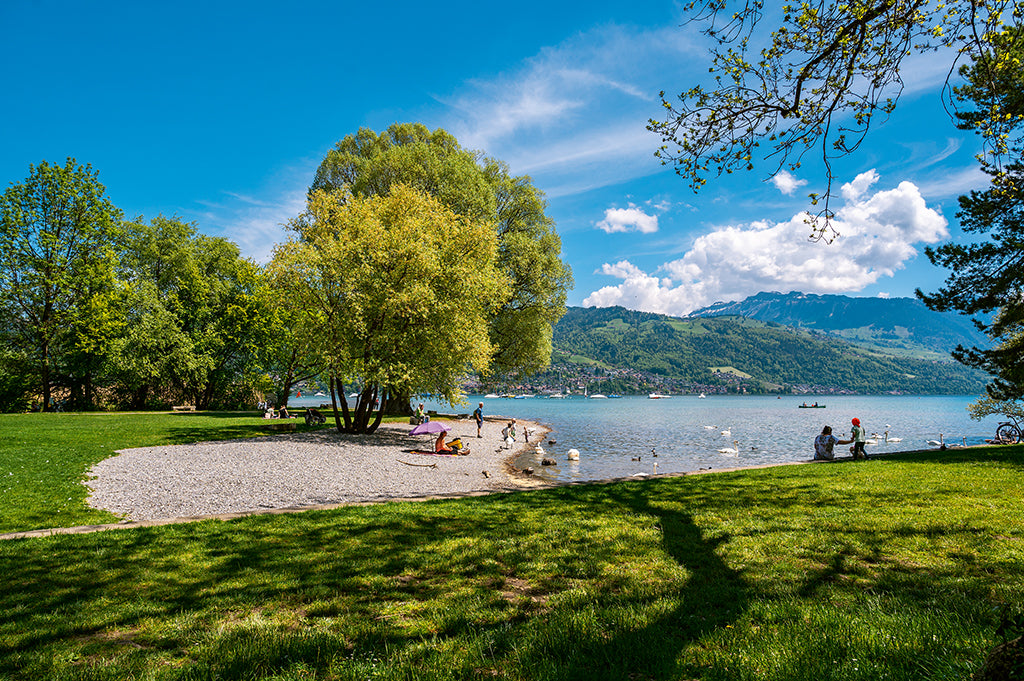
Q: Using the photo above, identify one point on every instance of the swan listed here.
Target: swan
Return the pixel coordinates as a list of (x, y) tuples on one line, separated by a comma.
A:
[(892, 439), (727, 432), (937, 443), (709, 427), (730, 451)]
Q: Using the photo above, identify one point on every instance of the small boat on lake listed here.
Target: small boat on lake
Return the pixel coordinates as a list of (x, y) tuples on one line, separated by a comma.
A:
[(598, 396), (810, 406), (658, 396)]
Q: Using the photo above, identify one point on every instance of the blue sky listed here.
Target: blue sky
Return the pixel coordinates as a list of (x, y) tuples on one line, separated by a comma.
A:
[(220, 112)]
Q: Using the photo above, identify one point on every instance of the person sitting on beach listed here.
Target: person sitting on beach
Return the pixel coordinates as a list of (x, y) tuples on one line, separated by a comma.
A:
[(824, 444), (440, 447), (420, 415), (508, 435)]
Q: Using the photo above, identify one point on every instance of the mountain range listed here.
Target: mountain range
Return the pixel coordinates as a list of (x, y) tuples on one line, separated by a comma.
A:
[(902, 326), (768, 343)]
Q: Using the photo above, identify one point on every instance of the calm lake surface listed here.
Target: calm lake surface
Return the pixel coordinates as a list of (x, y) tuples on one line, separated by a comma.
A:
[(686, 431)]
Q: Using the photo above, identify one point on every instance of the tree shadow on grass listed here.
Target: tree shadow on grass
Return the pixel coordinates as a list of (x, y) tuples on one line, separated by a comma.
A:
[(461, 561), (397, 581), (1010, 455), (711, 597)]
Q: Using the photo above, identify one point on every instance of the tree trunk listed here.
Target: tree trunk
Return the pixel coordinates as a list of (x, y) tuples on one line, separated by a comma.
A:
[(380, 414), (338, 386), (286, 389), (138, 401), (45, 376), (399, 402)]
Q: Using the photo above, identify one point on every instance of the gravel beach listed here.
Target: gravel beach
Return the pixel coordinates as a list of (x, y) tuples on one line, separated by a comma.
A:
[(301, 469)]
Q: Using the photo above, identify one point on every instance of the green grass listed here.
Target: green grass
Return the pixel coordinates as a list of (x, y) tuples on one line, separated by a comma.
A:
[(893, 568)]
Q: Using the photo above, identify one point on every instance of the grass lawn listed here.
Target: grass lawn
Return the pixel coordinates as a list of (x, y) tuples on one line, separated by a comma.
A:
[(896, 568), (45, 457)]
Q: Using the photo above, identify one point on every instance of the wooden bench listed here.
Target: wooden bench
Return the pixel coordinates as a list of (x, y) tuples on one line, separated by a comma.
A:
[(184, 407)]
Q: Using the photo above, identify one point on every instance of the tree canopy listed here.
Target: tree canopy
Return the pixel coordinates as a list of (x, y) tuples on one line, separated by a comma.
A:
[(988, 276), (819, 81), (197, 316), (57, 231), (96, 311), (397, 288), (478, 188)]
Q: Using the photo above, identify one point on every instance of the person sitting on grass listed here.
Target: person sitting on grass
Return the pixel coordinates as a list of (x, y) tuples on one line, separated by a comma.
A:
[(824, 444)]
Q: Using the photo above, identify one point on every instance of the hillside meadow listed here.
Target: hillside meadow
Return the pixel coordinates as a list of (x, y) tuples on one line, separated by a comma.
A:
[(894, 568)]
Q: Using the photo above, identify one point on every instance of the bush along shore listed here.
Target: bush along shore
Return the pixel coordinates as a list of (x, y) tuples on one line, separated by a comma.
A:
[(907, 567)]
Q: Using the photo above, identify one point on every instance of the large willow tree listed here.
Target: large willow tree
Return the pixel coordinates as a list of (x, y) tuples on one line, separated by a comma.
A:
[(477, 188), (396, 288)]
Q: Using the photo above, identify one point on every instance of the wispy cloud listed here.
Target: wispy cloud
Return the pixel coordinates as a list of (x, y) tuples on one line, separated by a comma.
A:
[(577, 108), (256, 223), (879, 235), (950, 184)]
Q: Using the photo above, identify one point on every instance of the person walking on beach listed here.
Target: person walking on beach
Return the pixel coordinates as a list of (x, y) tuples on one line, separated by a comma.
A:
[(478, 414), (824, 444), (858, 437)]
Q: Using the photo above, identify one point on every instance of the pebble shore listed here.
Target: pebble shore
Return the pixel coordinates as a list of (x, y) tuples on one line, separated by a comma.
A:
[(301, 469)]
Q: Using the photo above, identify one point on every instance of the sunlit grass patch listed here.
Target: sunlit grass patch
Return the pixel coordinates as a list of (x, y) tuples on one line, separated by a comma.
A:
[(894, 569)]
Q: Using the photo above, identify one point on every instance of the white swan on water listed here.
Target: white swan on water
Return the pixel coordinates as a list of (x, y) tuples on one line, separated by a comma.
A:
[(727, 432), (892, 439), (937, 443), (730, 451)]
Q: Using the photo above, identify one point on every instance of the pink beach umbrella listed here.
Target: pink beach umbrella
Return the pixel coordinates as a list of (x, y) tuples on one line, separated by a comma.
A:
[(429, 427)]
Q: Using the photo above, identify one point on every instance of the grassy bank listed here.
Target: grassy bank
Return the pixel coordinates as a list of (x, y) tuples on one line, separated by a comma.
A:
[(45, 457), (887, 569)]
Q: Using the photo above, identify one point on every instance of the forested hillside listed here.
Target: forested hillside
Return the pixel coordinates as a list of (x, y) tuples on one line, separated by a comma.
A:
[(774, 357)]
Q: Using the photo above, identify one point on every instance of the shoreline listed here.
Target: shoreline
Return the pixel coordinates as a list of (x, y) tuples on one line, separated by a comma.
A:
[(509, 478)]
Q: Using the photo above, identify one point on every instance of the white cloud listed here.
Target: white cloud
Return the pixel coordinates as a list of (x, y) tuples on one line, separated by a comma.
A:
[(630, 219), (786, 183), (879, 233), (860, 184)]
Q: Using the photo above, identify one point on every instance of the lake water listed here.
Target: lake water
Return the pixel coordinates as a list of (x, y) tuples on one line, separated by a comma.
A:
[(686, 431)]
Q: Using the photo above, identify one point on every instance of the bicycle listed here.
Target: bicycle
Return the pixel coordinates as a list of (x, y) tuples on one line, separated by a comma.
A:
[(1008, 432)]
